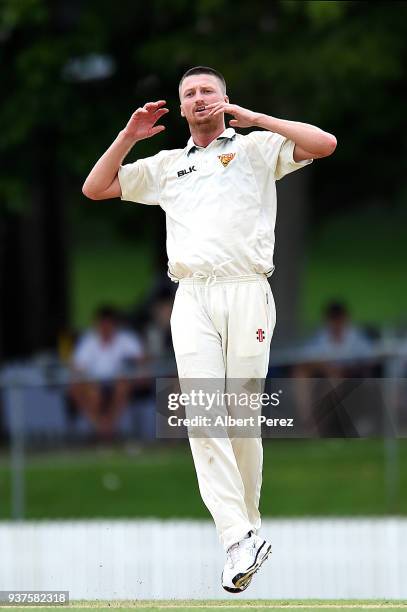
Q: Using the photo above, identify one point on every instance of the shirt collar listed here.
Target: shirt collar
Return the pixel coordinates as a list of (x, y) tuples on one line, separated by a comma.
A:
[(229, 133)]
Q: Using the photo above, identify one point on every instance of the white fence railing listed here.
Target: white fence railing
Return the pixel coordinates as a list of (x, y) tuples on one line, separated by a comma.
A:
[(152, 559)]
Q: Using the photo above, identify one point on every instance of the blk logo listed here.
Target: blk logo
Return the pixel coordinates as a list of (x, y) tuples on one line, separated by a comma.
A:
[(183, 172), (260, 335)]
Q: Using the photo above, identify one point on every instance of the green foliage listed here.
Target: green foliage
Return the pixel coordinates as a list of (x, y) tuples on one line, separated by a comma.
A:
[(13, 194), (325, 13), (338, 64), (335, 63), (22, 13)]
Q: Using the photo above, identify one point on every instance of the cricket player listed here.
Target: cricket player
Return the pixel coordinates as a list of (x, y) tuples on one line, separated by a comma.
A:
[(219, 196)]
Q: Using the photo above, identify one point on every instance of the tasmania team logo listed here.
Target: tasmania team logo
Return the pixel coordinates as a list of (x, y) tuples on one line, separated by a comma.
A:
[(226, 158), (260, 335)]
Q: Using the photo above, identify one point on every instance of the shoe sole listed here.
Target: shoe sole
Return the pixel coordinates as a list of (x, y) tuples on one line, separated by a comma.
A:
[(242, 588), (242, 581), (234, 591)]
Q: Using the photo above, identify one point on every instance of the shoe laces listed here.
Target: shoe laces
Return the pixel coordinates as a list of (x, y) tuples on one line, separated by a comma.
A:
[(247, 546), (233, 555)]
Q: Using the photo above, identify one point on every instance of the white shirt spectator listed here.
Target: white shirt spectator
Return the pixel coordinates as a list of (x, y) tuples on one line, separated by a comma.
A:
[(352, 345), (106, 360)]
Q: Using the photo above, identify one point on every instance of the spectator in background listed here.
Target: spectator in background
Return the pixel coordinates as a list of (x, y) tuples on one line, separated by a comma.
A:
[(338, 350), (101, 360)]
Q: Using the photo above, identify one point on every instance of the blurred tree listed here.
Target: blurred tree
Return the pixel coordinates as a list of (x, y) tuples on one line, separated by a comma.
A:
[(74, 70)]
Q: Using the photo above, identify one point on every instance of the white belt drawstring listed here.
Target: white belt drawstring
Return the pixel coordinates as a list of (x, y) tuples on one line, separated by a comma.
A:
[(211, 278)]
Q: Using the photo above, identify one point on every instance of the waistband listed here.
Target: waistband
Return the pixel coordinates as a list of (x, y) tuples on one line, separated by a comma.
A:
[(212, 279)]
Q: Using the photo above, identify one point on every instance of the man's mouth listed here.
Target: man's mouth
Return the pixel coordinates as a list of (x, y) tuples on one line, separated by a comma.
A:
[(200, 109)]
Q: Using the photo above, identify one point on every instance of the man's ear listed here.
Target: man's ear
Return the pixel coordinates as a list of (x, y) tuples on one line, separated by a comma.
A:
[(182, 112), (227, 99)]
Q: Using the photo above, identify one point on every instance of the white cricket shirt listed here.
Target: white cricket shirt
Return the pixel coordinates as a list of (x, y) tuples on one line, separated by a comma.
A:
[(220, 201)]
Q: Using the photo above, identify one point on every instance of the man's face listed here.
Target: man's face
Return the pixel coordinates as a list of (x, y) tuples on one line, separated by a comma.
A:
[(106, 328), (197, 91), (337, 326)]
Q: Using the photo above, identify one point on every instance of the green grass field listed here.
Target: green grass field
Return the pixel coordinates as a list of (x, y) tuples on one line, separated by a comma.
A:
[(259, 605), (301, 478)]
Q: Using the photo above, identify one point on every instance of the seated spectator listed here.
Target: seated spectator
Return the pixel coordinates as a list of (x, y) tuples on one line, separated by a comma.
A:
[(338, 350), (100, 362)]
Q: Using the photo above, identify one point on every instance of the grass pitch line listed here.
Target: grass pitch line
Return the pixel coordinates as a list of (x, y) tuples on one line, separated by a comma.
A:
[(258, 605), (243, 605)]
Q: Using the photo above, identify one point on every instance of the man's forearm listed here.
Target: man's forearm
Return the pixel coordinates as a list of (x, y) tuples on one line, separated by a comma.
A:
[(105, 170), (308, 137)]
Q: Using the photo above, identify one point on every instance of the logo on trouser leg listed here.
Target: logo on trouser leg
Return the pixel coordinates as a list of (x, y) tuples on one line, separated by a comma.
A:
[(260, 335)]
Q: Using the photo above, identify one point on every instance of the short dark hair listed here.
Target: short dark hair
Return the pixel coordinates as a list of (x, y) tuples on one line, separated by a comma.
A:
[(336, 310), (106, 311), (204, 70)]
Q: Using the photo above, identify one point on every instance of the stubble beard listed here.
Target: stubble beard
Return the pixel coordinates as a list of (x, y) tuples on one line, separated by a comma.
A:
[(204, 124)]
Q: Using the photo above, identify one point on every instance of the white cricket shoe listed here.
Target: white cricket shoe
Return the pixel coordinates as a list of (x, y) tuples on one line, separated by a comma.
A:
[(242, 562)]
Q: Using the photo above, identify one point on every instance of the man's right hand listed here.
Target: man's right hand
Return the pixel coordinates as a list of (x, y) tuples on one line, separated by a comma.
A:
[(142, 122), (103, 181)]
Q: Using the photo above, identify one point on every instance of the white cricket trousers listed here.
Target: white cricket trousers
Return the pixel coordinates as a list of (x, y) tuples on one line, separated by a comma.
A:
[(221, 329)]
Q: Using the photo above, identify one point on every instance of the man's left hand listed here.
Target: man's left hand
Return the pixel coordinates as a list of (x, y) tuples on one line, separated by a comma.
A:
[(243, 117)]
